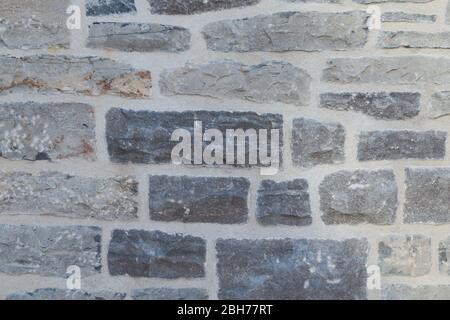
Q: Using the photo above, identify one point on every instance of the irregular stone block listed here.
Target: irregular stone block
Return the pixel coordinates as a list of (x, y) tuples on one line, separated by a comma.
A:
[(106, 7), (440, 104), (399, 16), (427, 292), (170, 294), (413, 39), (63, 294), (444, 255), (175, 7), (393, 1)]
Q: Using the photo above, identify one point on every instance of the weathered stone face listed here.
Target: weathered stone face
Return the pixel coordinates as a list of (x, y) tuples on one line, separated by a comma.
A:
[(33, 131), (284, 203), (31, 24), (440, 104), (394, 145), (271, 81), (405, 255), (195, 6), (380, 105), (413, 39), (198, 199), (49, 251), (89, 76), (138, 37), (315, 143), (105, 7), (58, 194), (426, 195), (289, 31), (399, 16), (292, 269), (62, 294), (359, 197), (155, 254), (170, 294), (404, 292), (395, 1)]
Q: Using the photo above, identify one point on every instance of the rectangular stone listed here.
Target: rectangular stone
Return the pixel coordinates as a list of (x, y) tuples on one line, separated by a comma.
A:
[(107, 7), (379, 105), (354, 197), (138, 37), (32, 24), (65, 294), (426, 195), (440, 104), (284, 203), (63, 195), (90, 76), (426, 292), (155, 254), (292, 269), (399, 16), (198, 199), (401, 144), (271, 81), (414, 39), (145, 137), (175, 7), (49, 251), (289, 31), (47, 131), (169, 294)]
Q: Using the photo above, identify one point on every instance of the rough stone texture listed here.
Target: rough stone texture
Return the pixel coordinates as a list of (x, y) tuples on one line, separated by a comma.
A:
[(380, 105), (444, 255), (404, 292), (140, 37), (394, 1), (405, 255), (413, 39), (394, 145), (400, 16), (284, 203), (314, 1), (62, 294), (426, 197), (58, 194), (169, 294), (198, 199), (31, 24), (49, 251), (388, 70), (271, 81), (314, 143), (354, 197), (106, 7), (440, 104), (289, 31), (53, 131), (139, 253), (195, 6), (144, 137), (76, 75), (292, 269)]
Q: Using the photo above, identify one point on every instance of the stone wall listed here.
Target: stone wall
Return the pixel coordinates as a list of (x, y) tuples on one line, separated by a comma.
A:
[(85, 154)]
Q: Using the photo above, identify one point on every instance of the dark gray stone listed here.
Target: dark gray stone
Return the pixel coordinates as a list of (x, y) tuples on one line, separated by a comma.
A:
[(289, 31), (427, 292), (284, 203), (49, 251), (198, 199), (355, 197), (399, 16), (155, 254), (62, 294), (106, 7), (380, 105), (394, 145), (315, 143), (169, 294), (292, 269), (175, 7)]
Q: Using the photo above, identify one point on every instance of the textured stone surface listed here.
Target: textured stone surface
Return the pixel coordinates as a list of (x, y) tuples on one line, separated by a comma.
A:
[(58, 194), (426, 197), (404, 292), (49, 251), (289, 31), (380, 105), (394, 145), (284, 203), (53, 131), (271, 81), (106, 7), (405, 255), (195, 6), (414, 39), (444, 256), (144, 137), (292, 269), (139, 253), (140, 37), (169, 294), (394, 1), (31, 24), (198, 199), (359, 197), (440, 104), (314, 143), (399, 16), (76, 75), (62, 294)]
